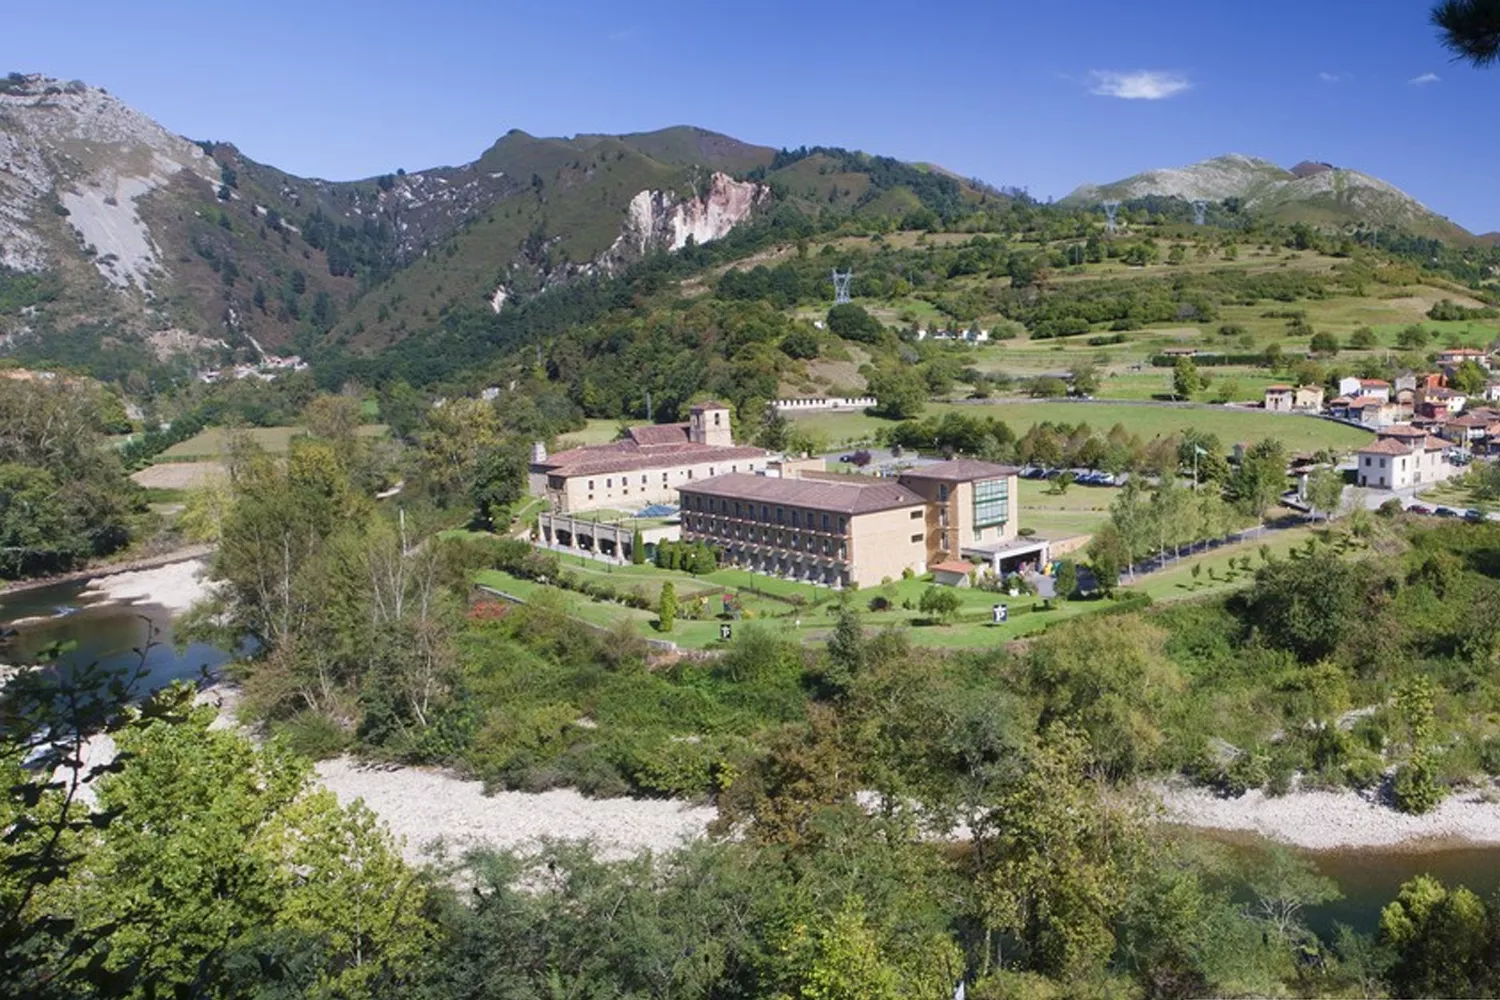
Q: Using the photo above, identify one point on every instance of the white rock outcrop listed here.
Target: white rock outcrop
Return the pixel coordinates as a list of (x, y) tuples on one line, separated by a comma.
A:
[(96, 157), (662, 220)]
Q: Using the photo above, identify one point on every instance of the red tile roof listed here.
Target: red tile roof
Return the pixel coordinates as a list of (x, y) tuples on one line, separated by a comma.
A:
[(854, 495), (1395, 446), (650, 434), (1387, 446), (961, 470), (654, 446), (952, 566)]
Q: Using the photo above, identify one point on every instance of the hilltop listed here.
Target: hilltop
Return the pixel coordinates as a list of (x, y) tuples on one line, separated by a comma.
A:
[(1318, 194), (117, 233)]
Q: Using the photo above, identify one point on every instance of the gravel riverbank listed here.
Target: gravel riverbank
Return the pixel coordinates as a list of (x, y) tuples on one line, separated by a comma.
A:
[(430, 808), (1325, 821), (174, 586)]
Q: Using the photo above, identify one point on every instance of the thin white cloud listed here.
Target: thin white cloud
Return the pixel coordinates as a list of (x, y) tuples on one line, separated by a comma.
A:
[(1140, 85), (1327, 77), (1424, 79)]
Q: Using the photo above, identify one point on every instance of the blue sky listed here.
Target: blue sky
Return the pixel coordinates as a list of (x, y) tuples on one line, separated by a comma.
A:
[(1037, 95)]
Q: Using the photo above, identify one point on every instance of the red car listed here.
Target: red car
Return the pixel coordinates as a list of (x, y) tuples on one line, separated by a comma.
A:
[(1418, 508)]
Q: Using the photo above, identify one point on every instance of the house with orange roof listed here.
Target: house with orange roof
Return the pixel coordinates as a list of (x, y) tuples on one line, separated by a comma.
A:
[(1394, 464)]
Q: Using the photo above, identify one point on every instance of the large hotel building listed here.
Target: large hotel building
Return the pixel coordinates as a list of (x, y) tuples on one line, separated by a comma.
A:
[(646, 466), (839, 530)]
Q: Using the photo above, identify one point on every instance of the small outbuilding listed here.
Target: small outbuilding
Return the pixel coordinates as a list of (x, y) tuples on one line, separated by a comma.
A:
[(952, 573)]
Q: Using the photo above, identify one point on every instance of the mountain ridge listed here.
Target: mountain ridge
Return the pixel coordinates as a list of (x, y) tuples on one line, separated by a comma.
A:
[(1312, 192), (173, 243)]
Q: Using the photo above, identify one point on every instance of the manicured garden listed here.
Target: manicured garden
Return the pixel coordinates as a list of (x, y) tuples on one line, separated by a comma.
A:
[(810, 612)]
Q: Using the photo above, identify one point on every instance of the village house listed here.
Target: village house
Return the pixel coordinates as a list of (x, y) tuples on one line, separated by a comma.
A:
[(1401, 432), (647, 466), (1394, 464), (839, 530), (1301, 399), (1308, 399), (1279, 398), (1374, 412), (1441, 399), (1364, 387), (1455, 356), (1468, 431)]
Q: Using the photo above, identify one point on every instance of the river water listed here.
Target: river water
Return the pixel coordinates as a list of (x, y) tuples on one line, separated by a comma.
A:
[(92, 629), (1370, 878)]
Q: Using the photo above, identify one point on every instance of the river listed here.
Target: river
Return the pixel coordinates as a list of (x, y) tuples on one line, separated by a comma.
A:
[(1369, 878), (92, 628)]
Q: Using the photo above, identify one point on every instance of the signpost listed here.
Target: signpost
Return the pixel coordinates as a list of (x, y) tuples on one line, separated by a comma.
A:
[(726, 631), (1000, 613)]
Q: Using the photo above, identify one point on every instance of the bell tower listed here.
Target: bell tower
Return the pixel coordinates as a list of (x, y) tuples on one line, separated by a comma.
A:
[(709, 424)]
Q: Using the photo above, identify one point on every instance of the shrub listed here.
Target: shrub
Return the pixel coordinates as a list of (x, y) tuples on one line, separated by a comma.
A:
[(1363, 769), (313, 735), (1489, 755), (942, 603), (1416, 789)]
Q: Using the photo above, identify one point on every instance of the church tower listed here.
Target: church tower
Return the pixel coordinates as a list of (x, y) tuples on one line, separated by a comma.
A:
[(709, 424)]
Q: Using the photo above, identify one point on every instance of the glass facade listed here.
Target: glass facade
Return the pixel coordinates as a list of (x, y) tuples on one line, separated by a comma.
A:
[(991, 502)]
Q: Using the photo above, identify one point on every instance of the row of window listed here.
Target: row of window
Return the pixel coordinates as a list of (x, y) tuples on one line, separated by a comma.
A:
[(991, 503), (796, 517), (609, 481), (793, 569), (767, 536)]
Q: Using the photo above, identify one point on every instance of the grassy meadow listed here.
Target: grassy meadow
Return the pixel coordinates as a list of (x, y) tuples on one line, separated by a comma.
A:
[(212, 444), (1299, 433)]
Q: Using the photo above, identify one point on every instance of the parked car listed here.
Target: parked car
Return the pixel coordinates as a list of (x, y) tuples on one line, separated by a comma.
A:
[(1418, 508), (1446, 512), (1475, 516)]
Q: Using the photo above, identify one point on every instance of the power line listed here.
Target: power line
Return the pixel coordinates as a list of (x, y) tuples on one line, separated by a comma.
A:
[(841, 282), (1111, 209)]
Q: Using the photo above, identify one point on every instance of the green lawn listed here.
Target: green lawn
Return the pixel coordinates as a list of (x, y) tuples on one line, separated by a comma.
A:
[(1079, 511), (971, 630), (596, 432), (1241, 384), (212, 444), (1298, 433)]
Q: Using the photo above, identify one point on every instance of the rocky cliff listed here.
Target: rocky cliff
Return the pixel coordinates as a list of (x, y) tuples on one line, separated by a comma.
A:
[(74, 152), (661, 220)]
